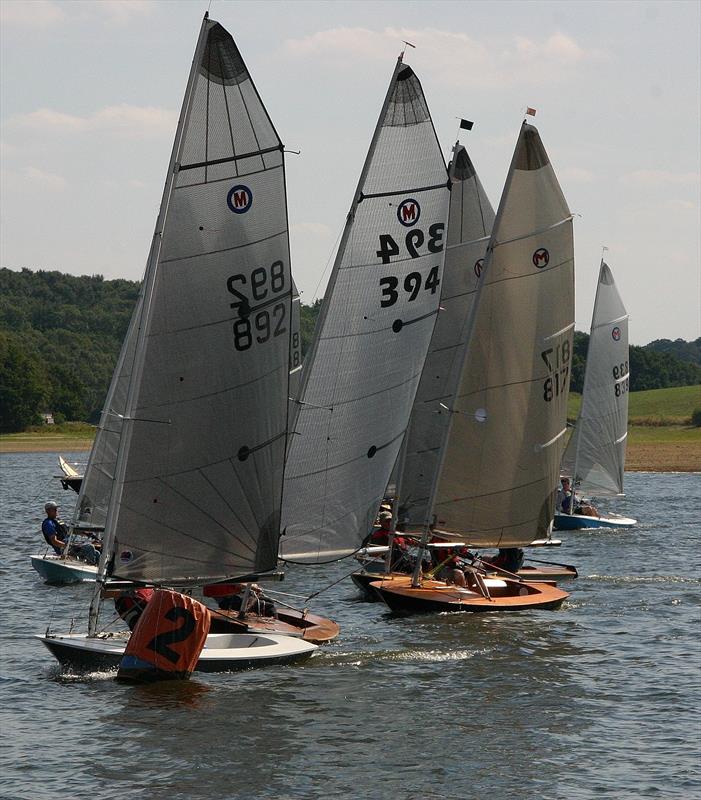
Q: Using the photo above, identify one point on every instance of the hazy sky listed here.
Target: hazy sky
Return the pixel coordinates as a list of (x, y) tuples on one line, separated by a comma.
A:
[(91, 93)]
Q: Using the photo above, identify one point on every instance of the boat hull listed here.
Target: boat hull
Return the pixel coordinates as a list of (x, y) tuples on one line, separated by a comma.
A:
[(437, 597), (575, 522), (363, 579), (223, 652), (289, 622), (56, 570)]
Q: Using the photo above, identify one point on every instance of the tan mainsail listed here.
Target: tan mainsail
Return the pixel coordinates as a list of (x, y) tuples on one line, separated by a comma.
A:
[(507, 423)]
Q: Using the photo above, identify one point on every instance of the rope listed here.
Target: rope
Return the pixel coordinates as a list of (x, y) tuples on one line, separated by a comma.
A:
[(553, 563), (332, 584)]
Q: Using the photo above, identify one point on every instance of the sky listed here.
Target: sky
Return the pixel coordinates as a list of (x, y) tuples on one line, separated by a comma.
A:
[(91, 92)]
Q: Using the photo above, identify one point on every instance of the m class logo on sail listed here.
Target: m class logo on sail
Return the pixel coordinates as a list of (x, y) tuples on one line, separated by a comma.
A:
[(408, 212), (239, 199), (541, 258)]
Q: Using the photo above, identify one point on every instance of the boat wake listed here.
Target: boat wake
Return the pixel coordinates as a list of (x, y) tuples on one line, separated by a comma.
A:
[(398, 657), (643, 579)]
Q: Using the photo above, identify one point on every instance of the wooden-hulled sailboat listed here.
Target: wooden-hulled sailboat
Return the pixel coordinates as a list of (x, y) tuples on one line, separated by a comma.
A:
[(596, 453), (196, 491), (360, 376), (503, 443)]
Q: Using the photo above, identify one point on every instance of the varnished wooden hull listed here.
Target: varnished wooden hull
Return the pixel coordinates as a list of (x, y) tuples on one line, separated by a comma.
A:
[(364, 580), (437, 597), (289, 622)]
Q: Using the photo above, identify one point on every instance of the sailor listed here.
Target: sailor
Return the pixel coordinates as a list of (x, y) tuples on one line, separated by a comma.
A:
[(508, 558), (130, 604), (564, 497), (380, 536), (56, 535)]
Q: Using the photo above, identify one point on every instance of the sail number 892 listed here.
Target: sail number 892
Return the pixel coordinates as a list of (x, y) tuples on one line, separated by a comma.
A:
[(260, 324)]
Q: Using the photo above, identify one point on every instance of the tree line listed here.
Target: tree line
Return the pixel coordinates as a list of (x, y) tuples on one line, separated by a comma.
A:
[(60, 337)]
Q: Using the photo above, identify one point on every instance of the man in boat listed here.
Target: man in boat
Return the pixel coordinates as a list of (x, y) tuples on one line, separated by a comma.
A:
[(509, 559), (56, 535), (380, 536), (567, 502), (564, 497), (257, 602), (130, 604)]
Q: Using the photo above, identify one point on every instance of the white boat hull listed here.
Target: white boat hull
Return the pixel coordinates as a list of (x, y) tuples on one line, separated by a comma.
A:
[(55, 569), (223, 652)]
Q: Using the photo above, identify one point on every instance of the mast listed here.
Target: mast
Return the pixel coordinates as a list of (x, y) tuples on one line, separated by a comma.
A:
[(143, 324)]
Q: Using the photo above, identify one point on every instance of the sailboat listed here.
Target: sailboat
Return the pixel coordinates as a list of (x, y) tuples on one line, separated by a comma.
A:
[(596, 453), (360, 376), (70, 477), (493, 486), (196, 487)]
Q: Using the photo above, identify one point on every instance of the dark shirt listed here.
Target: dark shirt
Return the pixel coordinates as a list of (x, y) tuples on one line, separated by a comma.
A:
[(51, 528)]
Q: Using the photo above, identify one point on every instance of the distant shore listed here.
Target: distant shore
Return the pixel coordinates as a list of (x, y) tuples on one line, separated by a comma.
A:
[(669, 448)]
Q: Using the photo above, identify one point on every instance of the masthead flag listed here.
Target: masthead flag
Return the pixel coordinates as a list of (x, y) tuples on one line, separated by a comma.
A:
[(466, 124), (530, 111)]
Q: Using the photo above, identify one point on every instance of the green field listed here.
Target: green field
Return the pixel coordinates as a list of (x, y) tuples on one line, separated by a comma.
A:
[(672, 406)]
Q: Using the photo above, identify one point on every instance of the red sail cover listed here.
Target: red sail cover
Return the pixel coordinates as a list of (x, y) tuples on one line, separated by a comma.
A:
[(167, 639)]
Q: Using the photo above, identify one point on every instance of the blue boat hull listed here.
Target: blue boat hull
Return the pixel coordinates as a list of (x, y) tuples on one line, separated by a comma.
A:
[(60, 570), (575, 522)]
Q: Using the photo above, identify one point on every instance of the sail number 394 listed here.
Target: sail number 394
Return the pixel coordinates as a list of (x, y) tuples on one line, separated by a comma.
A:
[(265, 321), (414, 282)]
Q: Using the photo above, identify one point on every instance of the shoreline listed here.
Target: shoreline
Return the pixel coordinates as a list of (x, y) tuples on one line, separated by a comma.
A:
[(673, 453)]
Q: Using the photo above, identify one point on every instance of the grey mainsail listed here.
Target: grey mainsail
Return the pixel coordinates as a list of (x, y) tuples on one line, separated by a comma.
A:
[(470, 221), (500, 465), (98, 481), (360, 378), (596, 453), (198, 481)]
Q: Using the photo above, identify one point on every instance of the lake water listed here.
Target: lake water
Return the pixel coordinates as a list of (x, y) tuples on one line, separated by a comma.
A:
[(600, 699)]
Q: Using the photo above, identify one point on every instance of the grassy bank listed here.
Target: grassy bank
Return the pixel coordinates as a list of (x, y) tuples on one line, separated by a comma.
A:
[(672, 406), (70, 436), (653, 446)]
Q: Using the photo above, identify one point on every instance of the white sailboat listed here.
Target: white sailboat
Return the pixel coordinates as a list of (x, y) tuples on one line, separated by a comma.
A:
[(196, 489), (360, 377), (493, 482), (596, 453)]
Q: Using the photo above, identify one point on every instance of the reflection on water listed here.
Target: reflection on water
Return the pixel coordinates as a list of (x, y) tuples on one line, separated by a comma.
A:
[(594, 700)]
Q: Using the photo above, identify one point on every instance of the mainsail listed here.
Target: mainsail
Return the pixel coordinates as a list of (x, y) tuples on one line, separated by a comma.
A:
[(198, 480), (470, 221), (360, 378), (98, 481), (596, 453), (497, 480)]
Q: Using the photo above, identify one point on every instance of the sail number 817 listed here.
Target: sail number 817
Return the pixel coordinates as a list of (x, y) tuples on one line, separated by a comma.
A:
[(557, 360)]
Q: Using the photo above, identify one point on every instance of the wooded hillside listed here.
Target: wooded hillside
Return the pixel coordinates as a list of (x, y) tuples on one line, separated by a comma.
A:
[(60, 337)]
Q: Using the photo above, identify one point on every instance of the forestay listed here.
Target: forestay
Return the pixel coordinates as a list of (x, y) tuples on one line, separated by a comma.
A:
[(470, 221), (360, 378), (596, 452), (199, 478), (497, 482)]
